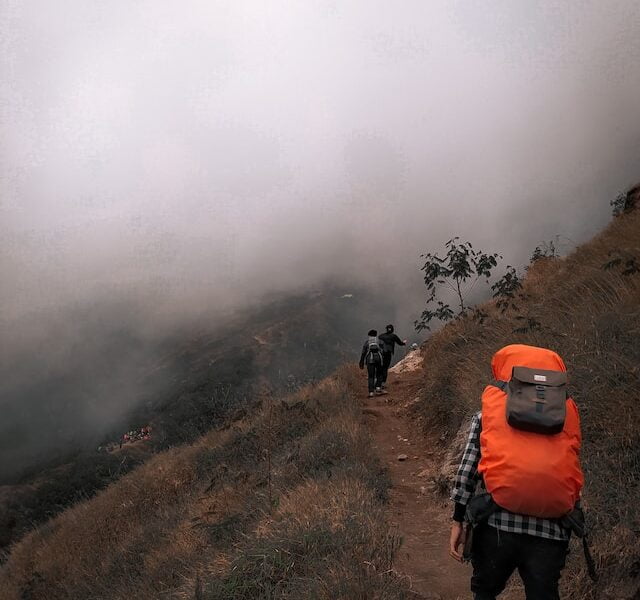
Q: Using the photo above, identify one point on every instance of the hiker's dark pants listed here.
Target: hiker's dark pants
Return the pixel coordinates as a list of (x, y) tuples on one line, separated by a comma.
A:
[(496, 554), (386, 361), (374, 370)]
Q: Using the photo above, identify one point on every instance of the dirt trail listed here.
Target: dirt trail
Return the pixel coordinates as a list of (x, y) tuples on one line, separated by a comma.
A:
[(420, 517)]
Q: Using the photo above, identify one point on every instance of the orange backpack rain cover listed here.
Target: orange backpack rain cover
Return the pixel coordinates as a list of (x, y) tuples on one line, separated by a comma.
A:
[(528, 473)]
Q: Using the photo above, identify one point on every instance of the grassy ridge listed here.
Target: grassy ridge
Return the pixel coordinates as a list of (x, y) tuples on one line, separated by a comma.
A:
[(590, 315), (285, 504)]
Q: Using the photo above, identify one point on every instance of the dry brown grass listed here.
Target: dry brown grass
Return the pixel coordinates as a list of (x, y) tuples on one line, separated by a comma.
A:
[(326, 540), (184, 524), (591, 316), (98, 548)]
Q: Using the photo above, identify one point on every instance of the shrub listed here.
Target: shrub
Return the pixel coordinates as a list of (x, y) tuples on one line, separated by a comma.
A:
[(457, 271)]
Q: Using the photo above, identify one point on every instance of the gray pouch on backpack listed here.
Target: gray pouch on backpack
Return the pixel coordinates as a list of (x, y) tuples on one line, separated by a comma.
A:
[(480, 508), (536, 400)]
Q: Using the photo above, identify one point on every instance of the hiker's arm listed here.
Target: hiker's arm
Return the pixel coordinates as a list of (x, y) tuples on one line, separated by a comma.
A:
[(457, 540), (364, 353), (464, 484), (459, 510), (398, 340)]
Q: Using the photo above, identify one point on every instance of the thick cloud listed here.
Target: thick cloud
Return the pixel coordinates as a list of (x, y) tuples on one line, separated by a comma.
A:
[(180, 157), (209, 152)]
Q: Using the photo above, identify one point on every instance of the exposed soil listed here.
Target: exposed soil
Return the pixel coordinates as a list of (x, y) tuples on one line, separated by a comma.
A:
[(422, 518)]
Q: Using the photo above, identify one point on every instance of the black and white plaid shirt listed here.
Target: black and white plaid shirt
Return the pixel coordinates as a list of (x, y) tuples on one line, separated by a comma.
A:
[(468, 481)]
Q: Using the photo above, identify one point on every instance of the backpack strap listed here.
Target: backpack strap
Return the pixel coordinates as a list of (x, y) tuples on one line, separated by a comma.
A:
[(591, 565), (500, 384), (575, 521)]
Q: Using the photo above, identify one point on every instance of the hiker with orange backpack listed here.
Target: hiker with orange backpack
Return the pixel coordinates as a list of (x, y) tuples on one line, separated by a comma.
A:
[(517, 488)]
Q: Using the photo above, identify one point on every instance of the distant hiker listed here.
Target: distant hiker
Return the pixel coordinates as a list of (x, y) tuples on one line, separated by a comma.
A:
[(518, 484), (389, 341), (372, 357)]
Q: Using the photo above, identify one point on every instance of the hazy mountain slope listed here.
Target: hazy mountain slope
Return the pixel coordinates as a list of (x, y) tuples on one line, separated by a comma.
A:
[(185, 384), (587, 308)]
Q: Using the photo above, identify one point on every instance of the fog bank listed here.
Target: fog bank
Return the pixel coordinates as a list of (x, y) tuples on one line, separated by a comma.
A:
[(176, 162), (208, 153)]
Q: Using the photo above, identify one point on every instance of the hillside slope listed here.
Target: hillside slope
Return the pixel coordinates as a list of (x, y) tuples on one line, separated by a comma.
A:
[(183, 384), (586, 307), (287, 503)]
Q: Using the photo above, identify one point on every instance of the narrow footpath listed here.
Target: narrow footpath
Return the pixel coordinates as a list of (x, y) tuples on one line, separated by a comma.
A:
[(422, 518)]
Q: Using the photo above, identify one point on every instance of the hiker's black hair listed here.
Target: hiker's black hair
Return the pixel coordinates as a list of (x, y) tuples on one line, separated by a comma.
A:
[(390, 328), (372, 333)]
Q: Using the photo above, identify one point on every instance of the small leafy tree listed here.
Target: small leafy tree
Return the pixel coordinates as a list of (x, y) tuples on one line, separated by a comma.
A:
[(545, 250), (618, 204), (506, 289), (458, 271), (625, 202)]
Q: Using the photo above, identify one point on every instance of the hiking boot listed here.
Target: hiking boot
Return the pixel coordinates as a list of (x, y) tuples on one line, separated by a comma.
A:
[(378, 391), (370, 394)]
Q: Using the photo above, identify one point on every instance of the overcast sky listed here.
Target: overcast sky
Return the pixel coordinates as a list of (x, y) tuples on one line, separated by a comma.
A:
[(204, 152)]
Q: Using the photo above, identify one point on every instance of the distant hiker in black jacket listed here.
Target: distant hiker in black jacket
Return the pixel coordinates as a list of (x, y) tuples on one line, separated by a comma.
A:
[(372, 357), (389, 341)]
